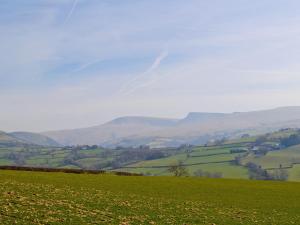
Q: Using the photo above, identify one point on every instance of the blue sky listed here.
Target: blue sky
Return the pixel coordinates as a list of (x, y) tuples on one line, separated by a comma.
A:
[(77, 63)]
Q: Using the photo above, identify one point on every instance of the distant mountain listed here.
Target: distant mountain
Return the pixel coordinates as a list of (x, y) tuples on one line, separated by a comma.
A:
[(139, 120), (34, 138), (197, 117), (195, 128), (114, 132)]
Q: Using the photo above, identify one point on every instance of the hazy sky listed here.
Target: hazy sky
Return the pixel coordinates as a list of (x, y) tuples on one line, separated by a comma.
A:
[(77, 63)]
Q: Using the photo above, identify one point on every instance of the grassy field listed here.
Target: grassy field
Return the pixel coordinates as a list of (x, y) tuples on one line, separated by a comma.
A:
[(51, 157), (58, 198), (285, 157), (227, 169), (228, 159), (288, 158), (221, 158), (294, 173), (209, 159)]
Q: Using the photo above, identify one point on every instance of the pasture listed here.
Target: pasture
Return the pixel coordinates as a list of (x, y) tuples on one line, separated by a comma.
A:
[(58, 198)]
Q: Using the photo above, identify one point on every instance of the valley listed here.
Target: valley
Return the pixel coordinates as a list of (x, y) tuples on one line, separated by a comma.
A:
[(149, 112), (247, 157)]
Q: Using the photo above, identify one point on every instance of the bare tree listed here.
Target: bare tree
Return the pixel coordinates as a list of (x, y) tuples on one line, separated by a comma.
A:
[(178, 169)]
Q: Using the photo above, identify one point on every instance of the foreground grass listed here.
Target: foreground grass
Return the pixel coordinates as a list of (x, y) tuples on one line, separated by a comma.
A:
[(57, 198)]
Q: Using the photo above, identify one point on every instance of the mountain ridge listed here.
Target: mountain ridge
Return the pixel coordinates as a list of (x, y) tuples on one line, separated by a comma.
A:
[(195, 128)]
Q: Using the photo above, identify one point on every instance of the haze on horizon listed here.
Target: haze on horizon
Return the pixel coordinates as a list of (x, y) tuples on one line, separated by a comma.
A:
[(78, 63)]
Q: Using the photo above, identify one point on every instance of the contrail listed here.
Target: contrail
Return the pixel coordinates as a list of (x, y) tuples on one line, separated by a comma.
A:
[(86, 65), (71, 11), (139, 81), (157, 61)]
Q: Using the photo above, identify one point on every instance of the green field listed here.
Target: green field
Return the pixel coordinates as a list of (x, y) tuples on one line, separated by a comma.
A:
[(286, 158), (58, 198), (267, 154), (228, 170), (227, 159), (208, 159), (52, 157)]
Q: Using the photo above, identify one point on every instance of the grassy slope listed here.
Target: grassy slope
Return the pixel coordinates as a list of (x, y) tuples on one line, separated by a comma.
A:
[(5, 137), (210, 157), (8, 139), (34, 138), (294, 173), (273, 159), (54, 157), (51, 157), (228, 170), (285, 157), (56, 198)]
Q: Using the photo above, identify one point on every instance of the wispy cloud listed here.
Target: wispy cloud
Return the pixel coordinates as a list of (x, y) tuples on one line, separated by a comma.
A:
[(145, 78), (216, 53), (74, 5)]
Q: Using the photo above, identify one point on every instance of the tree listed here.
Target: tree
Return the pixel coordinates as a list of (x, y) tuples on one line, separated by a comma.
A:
[(238, 160), (291, 140), (257, 173), (178, 169)]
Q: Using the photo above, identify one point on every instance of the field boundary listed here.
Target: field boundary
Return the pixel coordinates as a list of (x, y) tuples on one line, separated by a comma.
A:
[(167, 166), (284, 167), (224, 153), (64, 170)]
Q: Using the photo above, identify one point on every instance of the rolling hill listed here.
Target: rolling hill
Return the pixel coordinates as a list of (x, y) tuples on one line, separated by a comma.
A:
[(15, 139), (34, 138), (195, 128), (237, 158), (8, 140)]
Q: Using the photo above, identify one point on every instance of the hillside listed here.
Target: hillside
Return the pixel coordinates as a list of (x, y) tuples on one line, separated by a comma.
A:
[(57, 198), (213, 160), (8, 140), (114, 132), (34, 138), (249, 157), (196, 128), (19, 139), (243, 158)]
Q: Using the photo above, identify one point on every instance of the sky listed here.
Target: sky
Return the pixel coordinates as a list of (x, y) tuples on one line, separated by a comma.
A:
[(77, 63)]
